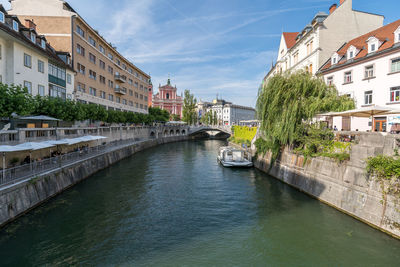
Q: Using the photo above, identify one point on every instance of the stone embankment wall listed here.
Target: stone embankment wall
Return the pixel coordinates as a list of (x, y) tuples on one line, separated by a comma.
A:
[(19, 198), (344, 186)]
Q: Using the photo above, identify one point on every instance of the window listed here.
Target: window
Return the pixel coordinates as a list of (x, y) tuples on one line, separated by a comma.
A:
[(1, 17), (124, 66), (81, 87), (131, 103), (309, 47), (33, 38), (118, 99), (81, 69), (118, 61), (92, 58), (373, 47), (368, 97), (141, 97), (102, 50), (136, 95), (92, 75), (80, 50), (57, 91), (369, 72), (351, 54), (111, 97), (329, 81), (102, 79), (15, 26), (110, 56), (124, 101), (56, 72), (27, 61), (41, 90), (395, 65), (110, 84), (102, 64), (28, 86), (334, 60), (80, 31), (130, 92), (130, 81), (43, 44), (40, 66), (92, 91), (130, 70), (92, 41), (69, 79), (136, 85), (110, 70), (102, 94), (395, 94), (347, 77), (145, 98)]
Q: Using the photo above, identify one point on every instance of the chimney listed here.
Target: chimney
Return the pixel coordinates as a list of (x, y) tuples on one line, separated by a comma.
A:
[(332, 8), (342, 1), (30, 24)]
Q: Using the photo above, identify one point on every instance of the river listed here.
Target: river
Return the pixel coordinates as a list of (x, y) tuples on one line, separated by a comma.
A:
[(173, 205)]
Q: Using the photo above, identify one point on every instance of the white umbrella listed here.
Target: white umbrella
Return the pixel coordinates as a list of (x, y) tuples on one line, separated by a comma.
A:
[(364, 112)]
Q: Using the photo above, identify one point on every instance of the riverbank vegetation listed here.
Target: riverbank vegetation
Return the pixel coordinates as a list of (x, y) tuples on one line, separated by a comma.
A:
[(386, 171), (243, 135), (287, 105), (15, 99)]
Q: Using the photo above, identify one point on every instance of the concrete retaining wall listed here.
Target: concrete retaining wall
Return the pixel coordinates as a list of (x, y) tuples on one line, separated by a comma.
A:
[(26, 195), (345, 186)]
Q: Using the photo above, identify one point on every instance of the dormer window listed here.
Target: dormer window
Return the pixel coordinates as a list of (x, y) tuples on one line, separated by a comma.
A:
[(373, 44), (15, 26), (334, 59), (33, 38), (43, 44), (396, 35), (1, 17)]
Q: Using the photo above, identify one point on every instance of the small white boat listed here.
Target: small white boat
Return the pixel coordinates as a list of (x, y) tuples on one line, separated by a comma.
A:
[(231, 157)]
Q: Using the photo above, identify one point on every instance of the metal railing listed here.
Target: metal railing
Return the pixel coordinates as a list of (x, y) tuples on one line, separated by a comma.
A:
[(36, 168)]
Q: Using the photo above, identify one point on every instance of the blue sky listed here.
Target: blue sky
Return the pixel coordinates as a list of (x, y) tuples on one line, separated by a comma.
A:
[(210, 47)]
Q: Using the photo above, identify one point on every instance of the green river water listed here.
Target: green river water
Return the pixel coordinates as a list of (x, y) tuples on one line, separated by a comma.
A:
[(174, 205)]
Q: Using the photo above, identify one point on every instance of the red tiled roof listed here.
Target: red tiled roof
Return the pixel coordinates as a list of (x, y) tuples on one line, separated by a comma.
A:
[(290, 38), (383, 34)]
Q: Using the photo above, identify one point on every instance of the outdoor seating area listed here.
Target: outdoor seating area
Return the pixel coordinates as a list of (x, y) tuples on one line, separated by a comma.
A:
[(367, 119), (32, 154)]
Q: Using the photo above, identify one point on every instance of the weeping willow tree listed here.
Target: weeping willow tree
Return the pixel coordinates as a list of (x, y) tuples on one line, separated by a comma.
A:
[(287, 103)]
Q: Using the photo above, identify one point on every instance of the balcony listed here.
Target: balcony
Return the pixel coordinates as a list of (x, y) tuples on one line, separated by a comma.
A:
[(120, 78), (120, 90)]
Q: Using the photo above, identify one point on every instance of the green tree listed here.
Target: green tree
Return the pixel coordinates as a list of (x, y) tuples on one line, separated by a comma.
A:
[(287, 103), (15, 99), (189, 108)]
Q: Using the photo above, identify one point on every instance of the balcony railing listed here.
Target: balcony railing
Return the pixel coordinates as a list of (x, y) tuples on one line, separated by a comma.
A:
[(120, 78), (120, 90)]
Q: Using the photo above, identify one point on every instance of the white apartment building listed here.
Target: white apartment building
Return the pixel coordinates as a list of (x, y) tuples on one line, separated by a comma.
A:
[(310, 48), (227, 113), (27, 59), (367, 69)]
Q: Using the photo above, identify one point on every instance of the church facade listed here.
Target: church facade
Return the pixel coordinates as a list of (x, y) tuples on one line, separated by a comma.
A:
[(168, 99)]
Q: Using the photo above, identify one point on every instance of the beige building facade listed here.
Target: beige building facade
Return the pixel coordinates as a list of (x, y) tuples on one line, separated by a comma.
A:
[(104, 76)]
